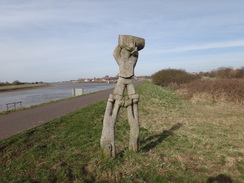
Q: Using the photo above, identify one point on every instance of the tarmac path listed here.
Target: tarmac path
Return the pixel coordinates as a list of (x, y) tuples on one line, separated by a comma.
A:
[(16, 122)]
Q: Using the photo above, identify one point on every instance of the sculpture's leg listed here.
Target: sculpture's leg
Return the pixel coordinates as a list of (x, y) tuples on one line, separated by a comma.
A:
[(132, 111), (108, 138)]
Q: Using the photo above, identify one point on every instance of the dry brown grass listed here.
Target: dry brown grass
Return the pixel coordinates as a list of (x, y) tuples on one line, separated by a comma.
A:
[(220, 91), (209, 141)]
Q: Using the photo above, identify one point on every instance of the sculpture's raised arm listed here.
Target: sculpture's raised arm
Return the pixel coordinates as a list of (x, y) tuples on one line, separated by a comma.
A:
[(116, 53)]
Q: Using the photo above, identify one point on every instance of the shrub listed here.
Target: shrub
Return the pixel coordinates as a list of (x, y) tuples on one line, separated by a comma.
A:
[(168, 77), (4, 84), (226, 72), (222, 90), (16, 82)]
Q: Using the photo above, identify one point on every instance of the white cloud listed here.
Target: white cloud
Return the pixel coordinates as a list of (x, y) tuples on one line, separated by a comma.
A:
[(185, 48), (73, 34)]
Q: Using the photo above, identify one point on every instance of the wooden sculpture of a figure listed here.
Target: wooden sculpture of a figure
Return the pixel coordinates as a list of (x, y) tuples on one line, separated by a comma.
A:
[(126, 55)]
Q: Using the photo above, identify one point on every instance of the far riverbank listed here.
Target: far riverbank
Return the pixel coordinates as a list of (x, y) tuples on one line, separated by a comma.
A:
[(11, 88)]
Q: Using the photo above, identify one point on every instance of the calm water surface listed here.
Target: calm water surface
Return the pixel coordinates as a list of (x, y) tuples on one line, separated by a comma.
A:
[(55, 92)]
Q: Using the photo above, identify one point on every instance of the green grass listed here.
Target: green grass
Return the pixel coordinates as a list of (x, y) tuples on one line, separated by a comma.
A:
[(179, 142)]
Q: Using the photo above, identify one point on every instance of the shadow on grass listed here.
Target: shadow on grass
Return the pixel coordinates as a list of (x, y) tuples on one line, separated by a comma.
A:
[(152, 141), (221, 178)]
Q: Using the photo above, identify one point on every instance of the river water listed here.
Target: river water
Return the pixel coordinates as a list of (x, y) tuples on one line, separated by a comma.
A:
[(41, 95)]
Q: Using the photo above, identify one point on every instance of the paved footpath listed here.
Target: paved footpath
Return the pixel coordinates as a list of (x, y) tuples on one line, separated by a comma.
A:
[(19, 121)]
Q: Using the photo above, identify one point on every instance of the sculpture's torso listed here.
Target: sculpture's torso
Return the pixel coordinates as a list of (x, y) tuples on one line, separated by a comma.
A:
[(127, 63)]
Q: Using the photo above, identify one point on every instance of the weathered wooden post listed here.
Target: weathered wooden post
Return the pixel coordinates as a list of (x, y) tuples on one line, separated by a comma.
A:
[(126, 55)]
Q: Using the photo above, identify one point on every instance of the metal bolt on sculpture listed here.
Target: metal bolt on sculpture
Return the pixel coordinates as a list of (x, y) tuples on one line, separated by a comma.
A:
[(126, 55)]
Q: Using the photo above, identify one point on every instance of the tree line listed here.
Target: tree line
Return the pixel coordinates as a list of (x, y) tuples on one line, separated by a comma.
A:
[(17, 82), (225, 73), (168, 77)]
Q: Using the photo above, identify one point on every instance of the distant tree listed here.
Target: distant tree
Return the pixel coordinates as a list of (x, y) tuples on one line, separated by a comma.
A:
[(227, 73), (242, 72), (16, 82), (224, 72), (4, 83)]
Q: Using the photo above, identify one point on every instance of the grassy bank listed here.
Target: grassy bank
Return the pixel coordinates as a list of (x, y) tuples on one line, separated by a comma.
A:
[(179, 142)]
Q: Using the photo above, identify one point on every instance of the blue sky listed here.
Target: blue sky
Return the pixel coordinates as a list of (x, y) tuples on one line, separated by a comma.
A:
[(57, 40)]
